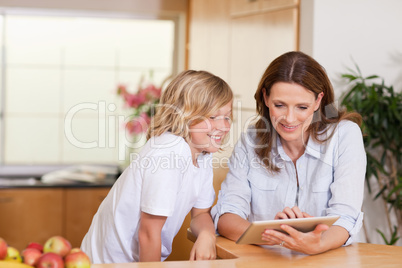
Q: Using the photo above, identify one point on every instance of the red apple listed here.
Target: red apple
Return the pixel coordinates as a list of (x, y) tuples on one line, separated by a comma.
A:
[(58, 245), (35, 245), (3, 249), (73, 250), (50, 260), (77, 259), (31, 256)]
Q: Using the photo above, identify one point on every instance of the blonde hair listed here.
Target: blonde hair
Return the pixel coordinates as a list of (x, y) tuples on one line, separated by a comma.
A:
[(188, 99)]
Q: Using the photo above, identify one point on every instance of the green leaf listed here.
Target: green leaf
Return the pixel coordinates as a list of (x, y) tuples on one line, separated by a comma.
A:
[(380, 192), (393, 239), (383, 236), (381, 109), (350, 77)]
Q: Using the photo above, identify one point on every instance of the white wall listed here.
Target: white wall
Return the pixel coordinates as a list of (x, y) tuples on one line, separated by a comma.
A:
[(369, 31)]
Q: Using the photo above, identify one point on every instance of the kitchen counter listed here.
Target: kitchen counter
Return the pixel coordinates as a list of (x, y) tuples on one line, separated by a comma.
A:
[(70, 176), (13, 183), (233, 255)]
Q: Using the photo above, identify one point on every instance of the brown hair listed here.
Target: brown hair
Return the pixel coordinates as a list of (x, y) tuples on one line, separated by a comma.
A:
[(297, 67), (188, 99)]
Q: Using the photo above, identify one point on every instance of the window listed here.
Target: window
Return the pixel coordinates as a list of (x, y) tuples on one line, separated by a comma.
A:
[(58, 67)]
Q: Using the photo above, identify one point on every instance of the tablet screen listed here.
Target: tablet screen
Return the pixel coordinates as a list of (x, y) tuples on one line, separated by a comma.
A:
[(253, 233)]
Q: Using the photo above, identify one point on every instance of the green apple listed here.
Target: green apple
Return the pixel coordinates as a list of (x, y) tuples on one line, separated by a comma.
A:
[(13, 255), (58, 245)]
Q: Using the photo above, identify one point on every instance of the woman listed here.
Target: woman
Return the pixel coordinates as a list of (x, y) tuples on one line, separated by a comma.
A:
[(302, 158)]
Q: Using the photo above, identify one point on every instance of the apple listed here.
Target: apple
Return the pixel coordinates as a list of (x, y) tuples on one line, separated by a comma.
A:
[(77, 259), (50, 260), (31, 256), (3, 249), (35, 245), (58, 245), (74, 250), (13, 255)]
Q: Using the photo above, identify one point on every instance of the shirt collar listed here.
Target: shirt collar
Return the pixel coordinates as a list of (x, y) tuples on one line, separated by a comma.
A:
[(313, 148), (277, 148)]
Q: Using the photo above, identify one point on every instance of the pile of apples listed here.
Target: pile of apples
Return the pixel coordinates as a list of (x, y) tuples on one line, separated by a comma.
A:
[(55, 253)]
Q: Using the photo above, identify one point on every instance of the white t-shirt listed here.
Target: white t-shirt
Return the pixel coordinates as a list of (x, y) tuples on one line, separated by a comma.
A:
[(161, 180)]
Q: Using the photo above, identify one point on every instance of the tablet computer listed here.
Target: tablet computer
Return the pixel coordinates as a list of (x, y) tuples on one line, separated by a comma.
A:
[(253, 233)]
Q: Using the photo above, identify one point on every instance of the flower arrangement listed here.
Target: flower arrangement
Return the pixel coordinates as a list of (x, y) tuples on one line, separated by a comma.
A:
[(142, 104)]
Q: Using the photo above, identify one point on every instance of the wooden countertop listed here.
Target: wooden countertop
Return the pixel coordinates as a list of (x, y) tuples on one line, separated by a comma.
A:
[(233, 255)]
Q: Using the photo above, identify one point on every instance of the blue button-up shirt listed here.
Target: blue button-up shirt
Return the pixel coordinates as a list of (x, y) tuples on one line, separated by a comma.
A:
[(331, 179)]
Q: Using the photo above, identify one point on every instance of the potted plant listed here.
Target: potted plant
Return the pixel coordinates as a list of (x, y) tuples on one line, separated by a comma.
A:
[(381, 109)]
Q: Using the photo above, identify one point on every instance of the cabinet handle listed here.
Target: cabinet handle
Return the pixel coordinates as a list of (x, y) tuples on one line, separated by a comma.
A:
[(6, 199)]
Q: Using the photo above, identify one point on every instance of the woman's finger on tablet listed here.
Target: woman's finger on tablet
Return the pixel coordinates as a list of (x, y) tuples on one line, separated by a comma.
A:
[(281, 216), (297, 212), (289, 212), (306, 215)]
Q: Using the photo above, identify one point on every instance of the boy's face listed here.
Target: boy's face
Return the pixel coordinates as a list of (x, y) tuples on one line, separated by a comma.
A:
[(207, 135)]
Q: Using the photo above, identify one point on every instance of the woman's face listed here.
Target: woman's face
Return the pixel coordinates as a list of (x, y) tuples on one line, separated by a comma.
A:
[(291, 108)]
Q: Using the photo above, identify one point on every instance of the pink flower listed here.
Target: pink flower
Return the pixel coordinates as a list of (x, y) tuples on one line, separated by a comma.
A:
[(144, 95), (134, 100), (141, 103), (121, 90), (139, 124), (151, 92)]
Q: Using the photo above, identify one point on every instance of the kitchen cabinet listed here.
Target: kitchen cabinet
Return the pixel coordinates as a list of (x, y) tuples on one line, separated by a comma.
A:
[(30, 215), (244, 6), (80, 207), (36, 214), (278, 4), (256, 40), (247, 7), (236, 40)]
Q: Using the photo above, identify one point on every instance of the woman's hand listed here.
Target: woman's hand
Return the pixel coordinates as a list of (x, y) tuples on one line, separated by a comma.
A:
[(204, 247), (308, 243), (323, 238), (303, 242), (291, 213)]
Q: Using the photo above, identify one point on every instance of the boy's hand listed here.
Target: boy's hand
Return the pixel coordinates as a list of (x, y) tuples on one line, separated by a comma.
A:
[(203, 228), (204, 247)]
